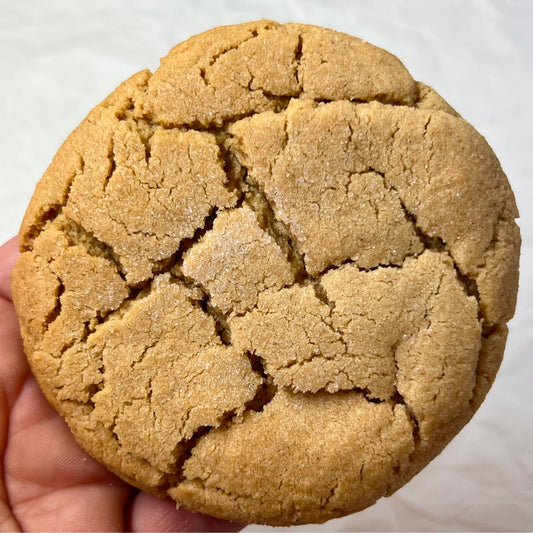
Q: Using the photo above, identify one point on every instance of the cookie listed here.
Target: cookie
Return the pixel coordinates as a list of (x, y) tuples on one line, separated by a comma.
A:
[(272, 279)]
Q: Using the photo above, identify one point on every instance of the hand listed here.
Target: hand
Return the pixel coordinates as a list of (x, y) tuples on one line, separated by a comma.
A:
[(48, 483)]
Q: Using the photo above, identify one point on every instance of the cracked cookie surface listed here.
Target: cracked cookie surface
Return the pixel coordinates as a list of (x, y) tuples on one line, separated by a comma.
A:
[(272, 279)]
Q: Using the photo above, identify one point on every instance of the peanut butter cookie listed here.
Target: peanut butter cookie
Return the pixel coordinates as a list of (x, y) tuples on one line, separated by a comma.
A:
[(271, 279)]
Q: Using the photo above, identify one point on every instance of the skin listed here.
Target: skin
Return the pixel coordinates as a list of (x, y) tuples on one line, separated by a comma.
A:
[(48, 482)]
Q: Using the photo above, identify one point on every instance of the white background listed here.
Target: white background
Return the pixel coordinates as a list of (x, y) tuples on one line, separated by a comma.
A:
[(58, 58)]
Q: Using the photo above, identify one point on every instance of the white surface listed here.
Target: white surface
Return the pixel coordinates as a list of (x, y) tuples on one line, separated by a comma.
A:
[(59, 58)]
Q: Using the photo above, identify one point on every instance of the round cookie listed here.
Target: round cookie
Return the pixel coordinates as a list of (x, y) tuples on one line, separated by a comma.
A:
[(271, 279)]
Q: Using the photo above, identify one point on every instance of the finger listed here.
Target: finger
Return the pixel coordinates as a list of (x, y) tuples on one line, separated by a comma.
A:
[(13, 364), (35, 425), (13, 370), (149, 513), (53, 485), (9, 253), (7, 520)]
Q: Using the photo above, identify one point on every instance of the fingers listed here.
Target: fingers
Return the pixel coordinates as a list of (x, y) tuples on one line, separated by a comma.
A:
[(53, 485), (9, 253), (149, 513), (34, 425)]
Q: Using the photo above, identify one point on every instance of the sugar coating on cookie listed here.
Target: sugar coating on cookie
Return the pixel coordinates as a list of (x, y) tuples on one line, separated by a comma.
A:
[(272, 279)]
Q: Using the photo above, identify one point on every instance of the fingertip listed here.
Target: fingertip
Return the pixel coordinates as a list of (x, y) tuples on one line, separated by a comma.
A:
[(9, 253)]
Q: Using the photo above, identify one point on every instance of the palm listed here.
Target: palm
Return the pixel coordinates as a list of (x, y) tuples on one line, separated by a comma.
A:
[(50, 484)]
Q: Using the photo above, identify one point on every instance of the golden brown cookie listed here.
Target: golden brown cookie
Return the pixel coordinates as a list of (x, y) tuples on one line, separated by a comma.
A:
[(272, 279)]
